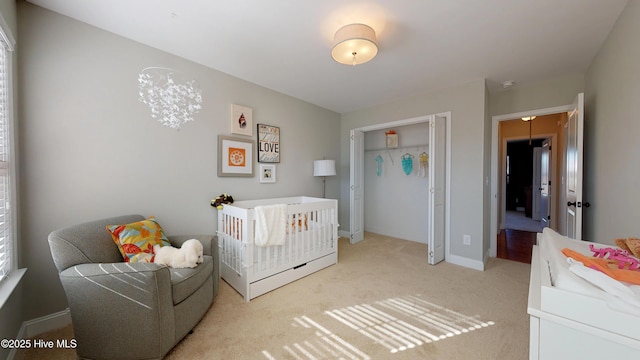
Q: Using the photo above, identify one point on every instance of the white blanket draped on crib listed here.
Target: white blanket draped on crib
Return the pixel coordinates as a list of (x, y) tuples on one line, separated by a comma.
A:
[(271, 225)]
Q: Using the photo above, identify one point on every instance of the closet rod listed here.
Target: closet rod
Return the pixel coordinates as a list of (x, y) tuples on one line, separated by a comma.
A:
[(399, 147)]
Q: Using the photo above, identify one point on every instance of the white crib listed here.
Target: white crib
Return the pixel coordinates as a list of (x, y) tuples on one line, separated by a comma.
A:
[(311, 244)]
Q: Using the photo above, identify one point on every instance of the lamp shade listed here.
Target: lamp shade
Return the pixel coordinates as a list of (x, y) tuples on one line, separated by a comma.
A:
[(324, 168), (354, 44)]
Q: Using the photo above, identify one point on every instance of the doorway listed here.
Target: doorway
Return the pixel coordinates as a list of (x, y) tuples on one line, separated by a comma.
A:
[(521, 147), (437, 190), (554, 130), (526, 205), (523, 206)]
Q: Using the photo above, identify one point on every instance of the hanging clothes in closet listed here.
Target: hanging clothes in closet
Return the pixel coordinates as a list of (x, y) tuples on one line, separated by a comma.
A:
[(424, 164), (407, 163), (379, 162)]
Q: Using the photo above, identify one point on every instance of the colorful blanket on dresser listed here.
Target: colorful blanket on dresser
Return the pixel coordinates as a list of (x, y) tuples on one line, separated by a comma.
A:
[(572, 268)]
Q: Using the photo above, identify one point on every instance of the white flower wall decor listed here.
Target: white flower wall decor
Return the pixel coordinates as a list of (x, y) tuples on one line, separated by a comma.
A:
[(172, 101)]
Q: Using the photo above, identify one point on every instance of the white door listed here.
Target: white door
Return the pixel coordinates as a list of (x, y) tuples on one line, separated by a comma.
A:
[(536, 190), (356, 172), (437, 204), (544, 184), (574, 156)]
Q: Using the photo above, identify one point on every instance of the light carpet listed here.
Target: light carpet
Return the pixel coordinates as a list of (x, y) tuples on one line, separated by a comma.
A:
[(381, 301)]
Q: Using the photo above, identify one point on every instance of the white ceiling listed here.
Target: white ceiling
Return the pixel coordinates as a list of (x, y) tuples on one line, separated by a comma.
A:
[(424, 45)]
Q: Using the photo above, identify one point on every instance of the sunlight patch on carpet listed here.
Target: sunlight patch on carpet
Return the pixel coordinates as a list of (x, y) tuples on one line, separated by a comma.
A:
[(325, 345), (397, 324)]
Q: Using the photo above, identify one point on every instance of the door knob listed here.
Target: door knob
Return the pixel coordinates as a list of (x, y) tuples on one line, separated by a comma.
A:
[(579, 204)]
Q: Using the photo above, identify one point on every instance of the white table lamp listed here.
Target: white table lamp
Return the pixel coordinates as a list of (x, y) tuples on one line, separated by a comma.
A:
[(324, 168)]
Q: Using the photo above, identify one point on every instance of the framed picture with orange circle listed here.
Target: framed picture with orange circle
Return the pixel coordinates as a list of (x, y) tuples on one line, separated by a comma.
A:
[(235, 156)]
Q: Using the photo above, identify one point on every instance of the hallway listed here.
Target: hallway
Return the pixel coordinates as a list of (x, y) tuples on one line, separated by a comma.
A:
[(516, 245), (516, 220)]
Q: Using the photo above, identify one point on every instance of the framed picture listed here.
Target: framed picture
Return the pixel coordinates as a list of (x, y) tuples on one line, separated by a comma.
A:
[(241, 120), (392, 140), (235, 156), (267, 173), (268, 144)]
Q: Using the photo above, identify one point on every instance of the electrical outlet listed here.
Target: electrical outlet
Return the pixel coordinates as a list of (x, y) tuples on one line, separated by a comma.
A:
[(466, 239)]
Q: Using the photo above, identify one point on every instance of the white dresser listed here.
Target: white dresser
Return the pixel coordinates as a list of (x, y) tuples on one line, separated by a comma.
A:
[(569, 317)]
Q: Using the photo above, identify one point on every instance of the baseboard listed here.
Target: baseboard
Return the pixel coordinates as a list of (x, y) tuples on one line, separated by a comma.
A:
[(468, 263), (41, 325), (344, 233)]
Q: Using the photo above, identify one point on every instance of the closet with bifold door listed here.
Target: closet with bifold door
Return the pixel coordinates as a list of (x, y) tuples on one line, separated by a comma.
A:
[(400, 175)]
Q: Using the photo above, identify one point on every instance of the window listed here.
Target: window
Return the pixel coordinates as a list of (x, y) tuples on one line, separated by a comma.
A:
[(7, 257)]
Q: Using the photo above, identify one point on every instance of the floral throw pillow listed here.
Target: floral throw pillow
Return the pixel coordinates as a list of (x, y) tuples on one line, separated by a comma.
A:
[(136, 240)]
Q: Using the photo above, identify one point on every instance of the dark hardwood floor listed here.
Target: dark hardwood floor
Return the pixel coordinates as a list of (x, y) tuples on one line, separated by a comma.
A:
[(516, 245)]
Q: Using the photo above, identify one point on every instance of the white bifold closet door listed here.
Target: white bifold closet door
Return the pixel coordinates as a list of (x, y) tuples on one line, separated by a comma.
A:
[(356, 179), (437, 183)]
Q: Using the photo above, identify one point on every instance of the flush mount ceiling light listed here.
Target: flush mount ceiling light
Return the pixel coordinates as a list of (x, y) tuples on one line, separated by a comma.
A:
[(354, 44)]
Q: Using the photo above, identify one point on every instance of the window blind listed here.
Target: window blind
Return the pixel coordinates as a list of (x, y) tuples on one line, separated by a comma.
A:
[(6, 230)]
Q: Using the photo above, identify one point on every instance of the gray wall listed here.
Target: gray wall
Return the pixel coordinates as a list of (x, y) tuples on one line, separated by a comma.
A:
[(612, 128), (467, 106), (90, 149), (544, 94)]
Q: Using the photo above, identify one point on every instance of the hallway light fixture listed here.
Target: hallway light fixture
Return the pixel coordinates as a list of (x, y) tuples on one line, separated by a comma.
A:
[(529, 120), (354, 44)]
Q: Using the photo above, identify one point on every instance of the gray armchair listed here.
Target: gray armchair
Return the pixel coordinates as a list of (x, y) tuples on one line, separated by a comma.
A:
[(129, 310)]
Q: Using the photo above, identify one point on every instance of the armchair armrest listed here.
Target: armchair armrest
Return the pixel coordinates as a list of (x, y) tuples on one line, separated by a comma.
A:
[(210, 247), (111, 301)]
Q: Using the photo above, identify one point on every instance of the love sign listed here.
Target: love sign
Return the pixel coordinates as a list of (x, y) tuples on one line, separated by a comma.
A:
[(268, 144)]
